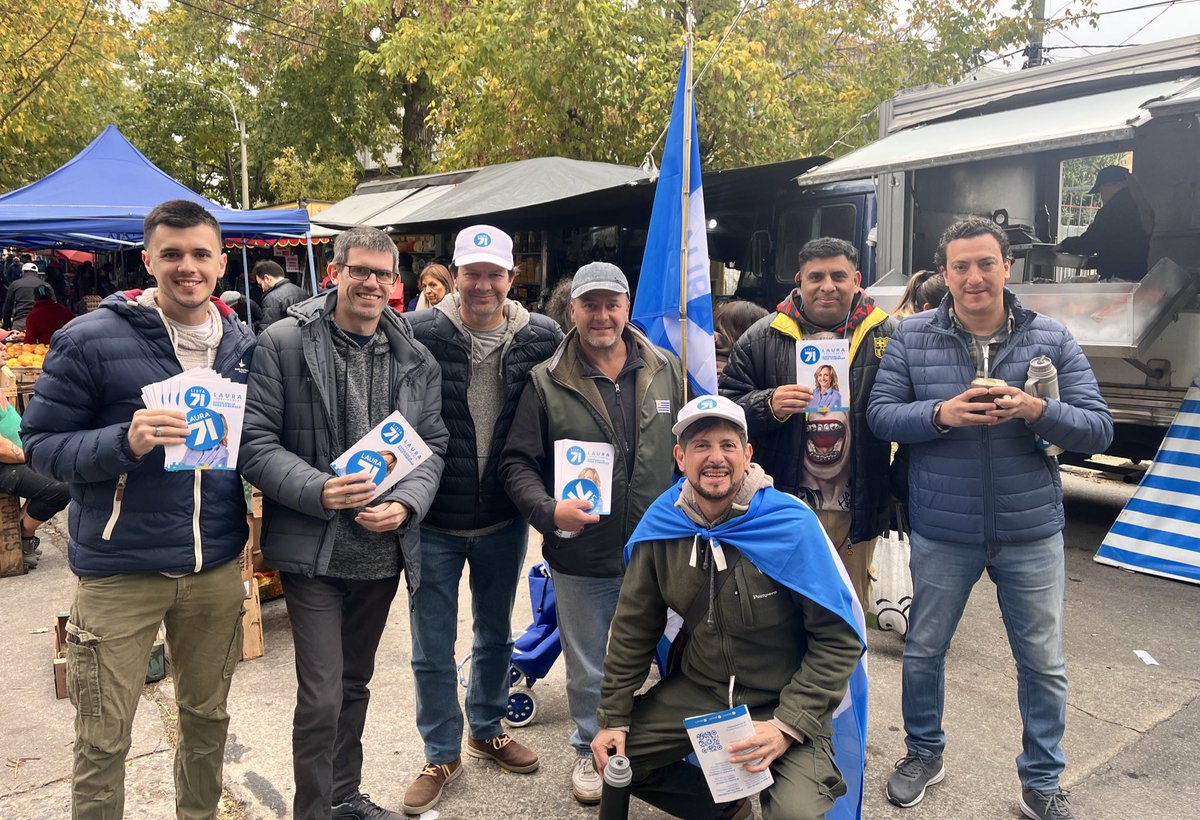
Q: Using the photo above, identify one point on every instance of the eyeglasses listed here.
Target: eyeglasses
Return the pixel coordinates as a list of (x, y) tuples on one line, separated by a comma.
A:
[(363, 273)]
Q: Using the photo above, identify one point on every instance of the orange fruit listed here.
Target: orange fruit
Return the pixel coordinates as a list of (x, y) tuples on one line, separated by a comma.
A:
[(12, 363)]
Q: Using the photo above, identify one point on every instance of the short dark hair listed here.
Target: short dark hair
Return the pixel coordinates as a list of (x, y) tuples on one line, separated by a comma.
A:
[(827, 247), (265, 268), (704, 425), (368, 238), (969, 228), (179, 213)]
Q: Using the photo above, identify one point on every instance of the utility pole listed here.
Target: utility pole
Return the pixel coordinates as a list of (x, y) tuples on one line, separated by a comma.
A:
[(241, 128), (1033, 51)]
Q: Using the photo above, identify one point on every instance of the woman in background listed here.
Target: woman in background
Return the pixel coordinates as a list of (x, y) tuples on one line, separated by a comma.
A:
[(433, 284), (731, 320)]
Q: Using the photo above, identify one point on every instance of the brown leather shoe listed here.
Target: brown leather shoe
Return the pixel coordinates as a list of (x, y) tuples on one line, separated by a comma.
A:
[(426, 790), (507, 752)]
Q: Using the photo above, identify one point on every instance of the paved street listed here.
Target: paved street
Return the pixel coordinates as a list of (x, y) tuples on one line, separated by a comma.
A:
[(1130, 737)]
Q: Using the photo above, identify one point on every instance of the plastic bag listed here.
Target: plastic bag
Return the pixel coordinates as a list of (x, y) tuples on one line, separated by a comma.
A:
[(891, 593)]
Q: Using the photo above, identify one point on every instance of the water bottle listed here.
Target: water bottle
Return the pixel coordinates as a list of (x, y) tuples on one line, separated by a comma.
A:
[(1043, 383), (614, 797)]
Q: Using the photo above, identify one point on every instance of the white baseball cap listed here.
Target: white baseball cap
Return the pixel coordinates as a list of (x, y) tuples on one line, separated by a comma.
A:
[(29, 267), (710, 407), (483, 243)]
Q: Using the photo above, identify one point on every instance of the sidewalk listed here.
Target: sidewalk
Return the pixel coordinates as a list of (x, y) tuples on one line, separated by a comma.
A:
[(1130, 739)]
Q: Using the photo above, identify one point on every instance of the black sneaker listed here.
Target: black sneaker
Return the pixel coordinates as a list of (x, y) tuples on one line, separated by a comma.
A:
[(360, 807), (906, 786), (1046, 805)]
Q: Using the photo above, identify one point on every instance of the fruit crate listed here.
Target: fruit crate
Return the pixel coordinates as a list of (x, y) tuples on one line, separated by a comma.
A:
[(11, 562)]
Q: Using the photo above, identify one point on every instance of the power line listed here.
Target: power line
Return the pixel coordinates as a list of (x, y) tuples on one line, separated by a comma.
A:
[(313, 32), (1148, 22), (249, 25), (1144, 6)]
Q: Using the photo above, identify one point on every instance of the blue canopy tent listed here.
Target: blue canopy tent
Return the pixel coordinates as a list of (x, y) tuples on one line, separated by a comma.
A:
[(98, 200)]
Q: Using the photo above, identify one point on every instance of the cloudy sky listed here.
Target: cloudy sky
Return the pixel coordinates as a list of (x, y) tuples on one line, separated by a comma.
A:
[(1160, 20)]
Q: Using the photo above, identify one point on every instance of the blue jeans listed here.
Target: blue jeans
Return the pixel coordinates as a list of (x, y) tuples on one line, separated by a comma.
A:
[(495, 563), (1029, 581), (586, 607)]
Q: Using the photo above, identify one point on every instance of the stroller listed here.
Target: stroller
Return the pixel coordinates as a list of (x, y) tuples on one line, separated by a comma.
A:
[(535, 651)]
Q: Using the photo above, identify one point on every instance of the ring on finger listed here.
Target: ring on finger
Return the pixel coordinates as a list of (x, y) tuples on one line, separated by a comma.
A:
[(156, 431)]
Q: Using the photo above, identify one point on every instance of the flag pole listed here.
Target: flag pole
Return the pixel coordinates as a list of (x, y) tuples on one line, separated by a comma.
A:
[(686, 205)]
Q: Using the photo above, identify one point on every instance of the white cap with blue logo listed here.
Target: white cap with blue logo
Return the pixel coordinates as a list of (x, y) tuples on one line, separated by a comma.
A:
[(483, 243), (710, 407)]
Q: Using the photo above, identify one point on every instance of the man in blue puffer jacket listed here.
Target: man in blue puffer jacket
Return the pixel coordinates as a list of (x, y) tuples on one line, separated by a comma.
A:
[(983, 495), (148, 545)]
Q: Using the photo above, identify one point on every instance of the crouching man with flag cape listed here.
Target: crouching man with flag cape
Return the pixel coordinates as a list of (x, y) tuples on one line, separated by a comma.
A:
[(770, 622)]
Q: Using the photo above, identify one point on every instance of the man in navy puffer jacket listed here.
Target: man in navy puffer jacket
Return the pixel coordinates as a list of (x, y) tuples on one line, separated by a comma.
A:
[(148, 545), (983, 495)]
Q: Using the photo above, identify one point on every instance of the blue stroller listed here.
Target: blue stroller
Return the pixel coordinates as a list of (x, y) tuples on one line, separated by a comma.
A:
[(535, 651)]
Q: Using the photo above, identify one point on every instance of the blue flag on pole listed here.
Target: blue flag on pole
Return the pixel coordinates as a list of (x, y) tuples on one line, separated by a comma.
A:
[(656, 304)]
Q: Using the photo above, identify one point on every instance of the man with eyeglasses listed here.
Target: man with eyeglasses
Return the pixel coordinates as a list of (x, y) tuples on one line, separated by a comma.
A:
[(322, 378), (486, 345)]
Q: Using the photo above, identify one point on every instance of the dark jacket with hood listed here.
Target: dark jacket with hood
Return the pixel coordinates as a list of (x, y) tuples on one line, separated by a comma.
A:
[(129, 514), (291, 434), (277, 300), (765, 358), (464, 501), (560, 403)]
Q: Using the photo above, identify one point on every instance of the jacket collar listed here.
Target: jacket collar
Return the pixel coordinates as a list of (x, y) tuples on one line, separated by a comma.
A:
[(942, 320)]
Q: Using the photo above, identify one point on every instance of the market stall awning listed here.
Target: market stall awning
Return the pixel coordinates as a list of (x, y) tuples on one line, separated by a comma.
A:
[(1094, 119), (99, 199), (538, 191)]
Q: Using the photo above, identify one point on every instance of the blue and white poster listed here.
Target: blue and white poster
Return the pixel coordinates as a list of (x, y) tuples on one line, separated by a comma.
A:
[(583, 472), (824, 365), (389, 452)]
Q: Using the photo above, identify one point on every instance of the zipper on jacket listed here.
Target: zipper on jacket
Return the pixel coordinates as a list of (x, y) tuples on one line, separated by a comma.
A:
[(197, 551), (118, 495), (714, 614)]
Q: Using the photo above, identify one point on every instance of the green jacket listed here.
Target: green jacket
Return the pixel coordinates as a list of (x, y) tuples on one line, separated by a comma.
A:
[(778, 647), (560, 403)]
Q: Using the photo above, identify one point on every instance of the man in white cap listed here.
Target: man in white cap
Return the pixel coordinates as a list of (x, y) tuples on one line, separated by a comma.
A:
[(612, 393), (20, 298), (486, 345), (769, 623)]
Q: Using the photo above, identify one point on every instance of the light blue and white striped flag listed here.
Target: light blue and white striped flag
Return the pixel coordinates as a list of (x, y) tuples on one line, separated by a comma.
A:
[(656, 303), (1158, 532)]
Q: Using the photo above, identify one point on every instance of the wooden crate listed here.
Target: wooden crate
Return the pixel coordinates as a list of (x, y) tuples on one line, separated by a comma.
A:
[(252, 634), (11, 562), (60, 654)]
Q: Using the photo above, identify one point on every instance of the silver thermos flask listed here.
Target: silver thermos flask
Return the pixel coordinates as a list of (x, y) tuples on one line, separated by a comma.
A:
[(614, 798), (1043, 383)]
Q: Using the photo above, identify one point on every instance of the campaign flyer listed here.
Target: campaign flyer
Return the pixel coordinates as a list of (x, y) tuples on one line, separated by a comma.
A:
[(824, 365), (711, 735), (583, 470), (214, 407), (389, 452)]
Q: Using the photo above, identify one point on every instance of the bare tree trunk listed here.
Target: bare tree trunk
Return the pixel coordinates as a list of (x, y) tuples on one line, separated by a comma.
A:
[(417, 137)]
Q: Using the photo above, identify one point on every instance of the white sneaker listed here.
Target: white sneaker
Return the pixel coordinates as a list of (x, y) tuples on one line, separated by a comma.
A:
[(586, 782)]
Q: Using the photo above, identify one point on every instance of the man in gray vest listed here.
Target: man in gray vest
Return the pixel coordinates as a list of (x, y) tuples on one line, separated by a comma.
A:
[(611, 391)]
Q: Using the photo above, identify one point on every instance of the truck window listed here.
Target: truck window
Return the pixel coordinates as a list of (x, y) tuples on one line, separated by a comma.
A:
[(802, 224)]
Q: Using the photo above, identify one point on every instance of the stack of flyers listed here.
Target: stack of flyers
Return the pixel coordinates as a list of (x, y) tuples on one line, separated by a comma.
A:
[(214, 406), (583, 470), (388, 453)]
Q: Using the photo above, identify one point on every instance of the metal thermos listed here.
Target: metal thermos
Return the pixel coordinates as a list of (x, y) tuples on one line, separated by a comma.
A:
[(614, 797), (1043, 383)]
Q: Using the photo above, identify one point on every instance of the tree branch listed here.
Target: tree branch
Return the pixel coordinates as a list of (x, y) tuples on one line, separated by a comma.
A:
[(51, 69)]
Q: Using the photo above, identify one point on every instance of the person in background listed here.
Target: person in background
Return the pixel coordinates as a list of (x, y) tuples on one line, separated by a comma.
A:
[(406, 286), (558, 304), (247, 311), (19, 300), (924, 291), (279, 293), (1117, 237), (731, 320), (435, 282), (46, 497), (104, 282), (46, 317)]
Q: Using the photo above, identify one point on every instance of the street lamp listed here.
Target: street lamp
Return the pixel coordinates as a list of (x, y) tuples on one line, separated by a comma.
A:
[(241, 127)]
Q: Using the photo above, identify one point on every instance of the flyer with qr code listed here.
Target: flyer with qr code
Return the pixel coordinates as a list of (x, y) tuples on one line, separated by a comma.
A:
[(214, 407), (388, 453), (711, 735), (824, 365), (583, 470)]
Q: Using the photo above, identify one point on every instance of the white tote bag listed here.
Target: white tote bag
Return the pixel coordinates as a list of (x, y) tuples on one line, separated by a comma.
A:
[(891, 593)]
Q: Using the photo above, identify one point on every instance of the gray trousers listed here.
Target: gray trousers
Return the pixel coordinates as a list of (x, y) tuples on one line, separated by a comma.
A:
[(336, 626)]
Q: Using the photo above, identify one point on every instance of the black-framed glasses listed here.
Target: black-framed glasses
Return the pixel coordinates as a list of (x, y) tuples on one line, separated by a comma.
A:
[(363, 273)]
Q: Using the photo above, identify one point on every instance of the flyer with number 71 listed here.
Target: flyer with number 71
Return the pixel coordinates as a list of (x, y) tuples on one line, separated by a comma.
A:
[(388, 453), (824, 364)]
